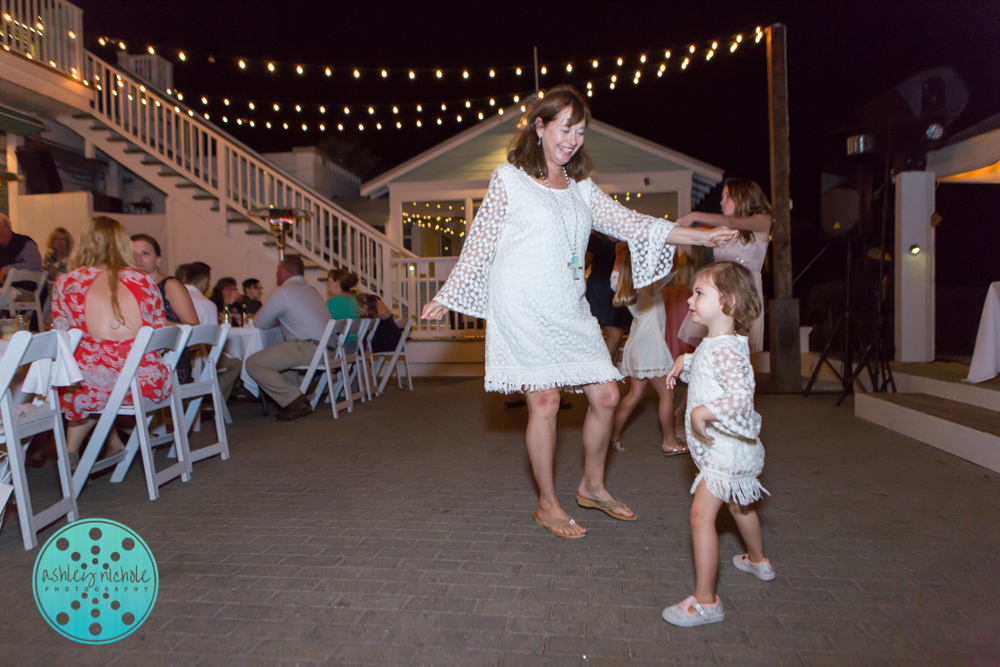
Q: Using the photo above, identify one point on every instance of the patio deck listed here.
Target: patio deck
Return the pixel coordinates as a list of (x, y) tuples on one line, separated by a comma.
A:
[(402, 534)]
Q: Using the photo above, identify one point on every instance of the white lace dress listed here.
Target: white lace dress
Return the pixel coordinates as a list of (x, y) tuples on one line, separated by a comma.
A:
[(646, 354), (513, 273), (720, 377)]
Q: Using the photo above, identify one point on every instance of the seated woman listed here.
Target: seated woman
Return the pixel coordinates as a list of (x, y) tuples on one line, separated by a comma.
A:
[(178, 307), (225, 295), (57, 258), (387, 334), (342, 304), (90, 298)]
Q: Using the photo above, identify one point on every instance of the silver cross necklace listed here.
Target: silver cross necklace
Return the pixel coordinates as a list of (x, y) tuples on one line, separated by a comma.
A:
[(574, 265)]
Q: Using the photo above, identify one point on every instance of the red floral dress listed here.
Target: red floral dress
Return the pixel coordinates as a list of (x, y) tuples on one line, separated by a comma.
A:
[(101, 361)]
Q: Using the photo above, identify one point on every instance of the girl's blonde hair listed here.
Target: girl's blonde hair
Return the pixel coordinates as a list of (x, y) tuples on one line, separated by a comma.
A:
[(64, 232), (749, 199), (737, 292), (105, 243), (625, 292)]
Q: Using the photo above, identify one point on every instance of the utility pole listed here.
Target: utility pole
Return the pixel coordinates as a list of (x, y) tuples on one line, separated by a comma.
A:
[(786, 362), (536, 70)]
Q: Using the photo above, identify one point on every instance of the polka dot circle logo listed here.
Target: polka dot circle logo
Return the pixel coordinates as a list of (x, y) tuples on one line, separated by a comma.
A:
[(95, 581)]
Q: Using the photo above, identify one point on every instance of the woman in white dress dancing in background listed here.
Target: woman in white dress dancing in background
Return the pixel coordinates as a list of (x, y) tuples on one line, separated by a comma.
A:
[(646, 356), (521, 269), (744, 207)]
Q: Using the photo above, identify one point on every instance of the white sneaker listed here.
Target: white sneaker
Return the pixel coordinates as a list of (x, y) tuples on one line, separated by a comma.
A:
[(689, 613), (762, 570)]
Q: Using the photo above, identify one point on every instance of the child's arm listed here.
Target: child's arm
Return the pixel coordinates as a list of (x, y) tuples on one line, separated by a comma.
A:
[(679, 370)]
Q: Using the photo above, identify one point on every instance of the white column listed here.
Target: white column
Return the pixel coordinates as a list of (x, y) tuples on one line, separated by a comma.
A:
[(15, 188), (113, 186), (914, 272), (395, 228)]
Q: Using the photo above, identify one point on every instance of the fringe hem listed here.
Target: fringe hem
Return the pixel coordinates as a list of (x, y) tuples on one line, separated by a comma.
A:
[(729, 490), (571, 378), (644, 374)]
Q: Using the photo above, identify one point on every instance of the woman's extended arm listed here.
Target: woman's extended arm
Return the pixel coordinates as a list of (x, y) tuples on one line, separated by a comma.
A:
[(715, 238), (759, 222)]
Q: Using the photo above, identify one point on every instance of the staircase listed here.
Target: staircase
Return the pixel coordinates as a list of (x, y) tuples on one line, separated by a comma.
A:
[(937, 407), (179, 152)]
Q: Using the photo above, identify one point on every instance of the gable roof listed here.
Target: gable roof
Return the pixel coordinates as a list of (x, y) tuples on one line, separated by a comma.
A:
[(476, 152)]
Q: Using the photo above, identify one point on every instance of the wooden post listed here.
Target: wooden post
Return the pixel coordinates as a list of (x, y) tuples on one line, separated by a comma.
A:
[(786, 364)]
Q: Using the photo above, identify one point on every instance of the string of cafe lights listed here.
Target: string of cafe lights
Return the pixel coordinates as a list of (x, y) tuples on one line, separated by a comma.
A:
[(276, 67), (378, 117)]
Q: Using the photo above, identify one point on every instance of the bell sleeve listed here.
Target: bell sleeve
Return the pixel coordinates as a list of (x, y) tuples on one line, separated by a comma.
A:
[(466, 291), (652, 258), (734, 410)]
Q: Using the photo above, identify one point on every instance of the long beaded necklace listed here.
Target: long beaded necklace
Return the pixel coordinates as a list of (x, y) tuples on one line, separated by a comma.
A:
[(574, 265)]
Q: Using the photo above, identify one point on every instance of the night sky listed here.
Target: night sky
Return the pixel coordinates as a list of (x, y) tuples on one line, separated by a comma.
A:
[(841, 54)]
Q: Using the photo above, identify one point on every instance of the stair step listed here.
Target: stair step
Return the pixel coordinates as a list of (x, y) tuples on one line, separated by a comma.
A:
[(130, 150), (82, 115), (237, 220), (967, 431), (149, 159), (100, 128), (168, 172), (205, 195), (117, 139), (256, 230), (186, 184)]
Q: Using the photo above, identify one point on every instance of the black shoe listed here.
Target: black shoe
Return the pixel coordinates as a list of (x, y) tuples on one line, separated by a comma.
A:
[(300, 407)]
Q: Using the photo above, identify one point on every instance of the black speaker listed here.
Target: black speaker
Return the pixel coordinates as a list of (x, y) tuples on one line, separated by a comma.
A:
[(40, 172), (846, 199)]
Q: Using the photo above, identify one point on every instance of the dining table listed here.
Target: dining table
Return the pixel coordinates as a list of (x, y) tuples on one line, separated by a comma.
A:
[(245, 341)]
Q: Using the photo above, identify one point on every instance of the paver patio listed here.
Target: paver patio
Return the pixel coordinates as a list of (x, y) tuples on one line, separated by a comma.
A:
[(402, 534)]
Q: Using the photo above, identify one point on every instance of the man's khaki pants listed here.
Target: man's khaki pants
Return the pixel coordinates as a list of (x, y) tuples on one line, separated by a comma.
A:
[(269, 368)]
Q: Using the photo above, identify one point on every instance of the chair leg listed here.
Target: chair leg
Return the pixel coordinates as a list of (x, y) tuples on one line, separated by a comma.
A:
[(263, 402), (406, 363), (65, 474), (25, 514)]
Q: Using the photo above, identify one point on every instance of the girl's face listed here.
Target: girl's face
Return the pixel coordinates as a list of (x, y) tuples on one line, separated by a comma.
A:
[(705, 304), (560, 140), (60, 243), (145, 257), (727, 204)]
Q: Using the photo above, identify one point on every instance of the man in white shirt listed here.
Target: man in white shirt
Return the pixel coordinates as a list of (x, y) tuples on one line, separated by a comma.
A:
[(196, 277), (301, 312)]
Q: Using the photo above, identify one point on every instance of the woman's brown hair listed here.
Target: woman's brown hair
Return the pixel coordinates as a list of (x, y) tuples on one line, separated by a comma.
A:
[(345, 278), (526, 153), (737, 292), (105, 243), (625, 292), (749, 199)]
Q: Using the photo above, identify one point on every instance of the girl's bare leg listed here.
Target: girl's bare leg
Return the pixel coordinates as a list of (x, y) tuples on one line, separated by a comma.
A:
[(603, 399), (540, 438), (666, 414), (749, 524), (636, 389), (704, 511)]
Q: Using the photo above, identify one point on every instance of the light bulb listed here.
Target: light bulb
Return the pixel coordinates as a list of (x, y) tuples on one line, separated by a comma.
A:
[(739, 39), (468, 104), (492, 102), (544, 70), (329, 72), (298, 68), (459, 119), (277, 108), (298, 108), (419, 124), (371, 110), (642, 58), (399, 125), (444, 107), (419, 108), (439, 121), (691, 48), (322, 109), (384, 74), (270, 67), (480, 115), (243, 65), (667, 55), (361, 127), (439, 74), (204, 100), (340, 126), (569, 68), (492, 74), (715, 45), (914, 249), (269, 125), (465, 75), (412, 75), (322, 128), (182, 56), (251, 106), (516, 99), (357, 74), (347, 110), (518, 71), (152, 51)]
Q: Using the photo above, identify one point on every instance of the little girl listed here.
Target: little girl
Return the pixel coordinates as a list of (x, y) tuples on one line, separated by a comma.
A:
[(646, 355), (722, 430)]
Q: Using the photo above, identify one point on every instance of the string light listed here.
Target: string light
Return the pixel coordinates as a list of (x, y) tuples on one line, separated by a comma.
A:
[(152, 51), (182, 56), (298, 108), (384, 74), (371, 110), (412, 75), (492, 74), (667, 55), (715, 45), (518, 72), (346, 111), (465, 75), (691, 48), (620, 61), (395, 109), (243, 65), (684, 64), (277, 107), (329, 72), (270, 67), (642, 58), (544, 70), (594, 64), (439, 74), (322, 109), (357, 74), (251, 106), (298, 68), (569, 68)]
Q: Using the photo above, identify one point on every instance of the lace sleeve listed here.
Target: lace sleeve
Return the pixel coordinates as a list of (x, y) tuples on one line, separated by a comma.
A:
[(465, 290), (686, 371), (652, 258), (734, 410)]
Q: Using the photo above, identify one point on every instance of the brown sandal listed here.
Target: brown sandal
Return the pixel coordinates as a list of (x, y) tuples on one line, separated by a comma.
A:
[(551, 524), (681, 448), (606, 506), (619, 447)]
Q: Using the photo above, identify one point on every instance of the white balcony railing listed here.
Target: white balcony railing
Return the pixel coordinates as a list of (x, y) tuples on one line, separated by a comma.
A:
[(47, 31), (415, 282), (241, 178)]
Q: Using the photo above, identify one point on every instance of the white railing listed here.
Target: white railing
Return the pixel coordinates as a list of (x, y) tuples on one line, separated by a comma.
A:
[(48, 31), (241, 178), (415, 282)]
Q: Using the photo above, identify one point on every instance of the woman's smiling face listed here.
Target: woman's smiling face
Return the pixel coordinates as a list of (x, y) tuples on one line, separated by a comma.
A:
[(560, 140)]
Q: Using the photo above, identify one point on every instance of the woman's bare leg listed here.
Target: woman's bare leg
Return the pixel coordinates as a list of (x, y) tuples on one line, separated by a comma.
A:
[(613, 338), (636, 388), (603, 399), (76, 431), (666, 414), (540, 438)]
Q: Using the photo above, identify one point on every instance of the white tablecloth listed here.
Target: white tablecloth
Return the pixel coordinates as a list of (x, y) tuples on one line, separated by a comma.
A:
[(986, 357), (242, 342)]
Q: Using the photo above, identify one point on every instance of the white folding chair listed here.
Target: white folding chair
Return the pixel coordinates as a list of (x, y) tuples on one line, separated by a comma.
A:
[(369, 369), (353, 366), (25, 348), (390, 360), (213, 335), (31, 300), (172, 340), (333, 333)]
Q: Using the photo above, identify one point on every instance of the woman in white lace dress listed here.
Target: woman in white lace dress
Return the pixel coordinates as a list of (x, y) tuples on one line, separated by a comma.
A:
[(521, 269), (722, 431), (646, 356), (744, 207)]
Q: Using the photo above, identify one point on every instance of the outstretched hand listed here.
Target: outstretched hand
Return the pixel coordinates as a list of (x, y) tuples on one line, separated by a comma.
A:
[(718, 237), (675, 372), (433, 311)]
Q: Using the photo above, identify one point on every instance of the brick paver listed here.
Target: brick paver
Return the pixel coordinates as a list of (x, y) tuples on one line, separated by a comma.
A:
[(402, 534)]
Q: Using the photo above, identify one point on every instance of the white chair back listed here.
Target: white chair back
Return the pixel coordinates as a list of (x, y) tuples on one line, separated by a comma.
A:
[(9, 293), (390, 360), (331, 339), (25, 348)]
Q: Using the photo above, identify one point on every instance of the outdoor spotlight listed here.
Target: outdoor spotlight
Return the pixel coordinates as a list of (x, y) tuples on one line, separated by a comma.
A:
[(935, 131), (914, 249)]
